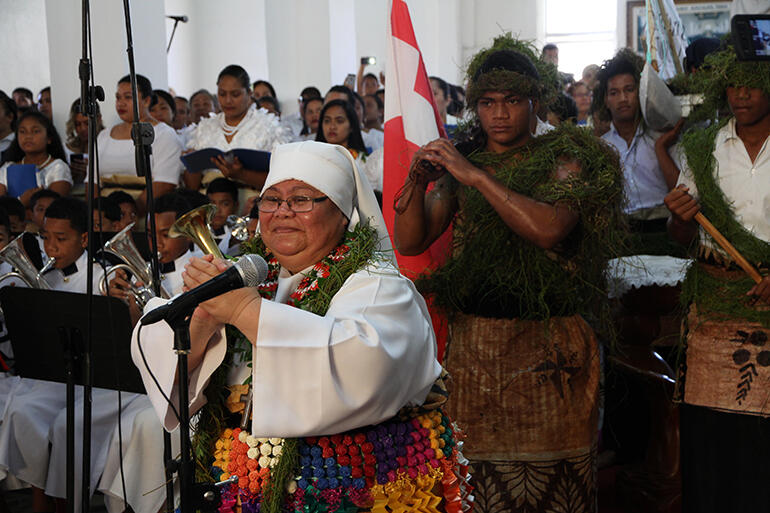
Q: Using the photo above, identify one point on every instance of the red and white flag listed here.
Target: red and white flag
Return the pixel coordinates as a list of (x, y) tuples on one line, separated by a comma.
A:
[(411, 120)]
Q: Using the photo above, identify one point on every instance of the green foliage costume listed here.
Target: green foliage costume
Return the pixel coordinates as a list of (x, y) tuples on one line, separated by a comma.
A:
[(726, 359), (524, 362)]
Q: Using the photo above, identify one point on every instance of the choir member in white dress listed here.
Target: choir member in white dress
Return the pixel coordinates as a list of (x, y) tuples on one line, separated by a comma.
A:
[(312, 118), (116, 149), (339, 125), (38, 143), (240, 124), (76, 140)]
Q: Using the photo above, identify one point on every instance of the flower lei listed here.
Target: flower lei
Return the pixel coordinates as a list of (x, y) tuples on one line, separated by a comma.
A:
[(325, 278), (308, 288)]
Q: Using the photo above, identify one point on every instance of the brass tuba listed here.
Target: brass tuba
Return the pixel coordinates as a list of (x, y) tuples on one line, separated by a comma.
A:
[(15, 255), (195, 226), (123, 247)]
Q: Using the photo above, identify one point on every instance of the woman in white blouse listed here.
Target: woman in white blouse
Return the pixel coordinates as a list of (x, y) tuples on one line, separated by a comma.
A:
[(116, 148), (37, 143), (239, 125)]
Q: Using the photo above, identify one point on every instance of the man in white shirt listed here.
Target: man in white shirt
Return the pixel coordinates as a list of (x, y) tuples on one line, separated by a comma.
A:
[(725, 353), (645, 184)]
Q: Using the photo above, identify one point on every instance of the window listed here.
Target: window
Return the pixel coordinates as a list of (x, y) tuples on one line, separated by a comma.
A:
[(585, 32)]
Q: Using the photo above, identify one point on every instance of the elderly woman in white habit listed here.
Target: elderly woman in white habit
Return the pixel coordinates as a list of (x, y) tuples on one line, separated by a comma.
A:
[(319, 366)]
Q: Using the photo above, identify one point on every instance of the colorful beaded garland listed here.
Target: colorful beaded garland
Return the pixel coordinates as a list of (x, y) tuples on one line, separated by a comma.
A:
[(413, 463)]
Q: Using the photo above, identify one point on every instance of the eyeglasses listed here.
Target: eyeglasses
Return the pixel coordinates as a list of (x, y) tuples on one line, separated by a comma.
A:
[(296, 204)]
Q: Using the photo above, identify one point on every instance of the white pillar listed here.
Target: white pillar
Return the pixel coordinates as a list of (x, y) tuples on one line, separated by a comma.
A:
[(343, 53), (298, 50), (24, 55), (436, 26), (110, 61), (371, 29)]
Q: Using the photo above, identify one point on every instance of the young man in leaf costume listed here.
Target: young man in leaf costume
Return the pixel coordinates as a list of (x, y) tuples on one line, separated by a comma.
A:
[(725, 174), (534, 222)]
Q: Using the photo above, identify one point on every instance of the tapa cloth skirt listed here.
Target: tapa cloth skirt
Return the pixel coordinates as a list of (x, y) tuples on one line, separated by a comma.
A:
[(725, 429), (526, 393)]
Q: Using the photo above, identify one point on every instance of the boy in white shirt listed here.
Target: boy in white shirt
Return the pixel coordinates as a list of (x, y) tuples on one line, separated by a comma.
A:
[(33, 405)]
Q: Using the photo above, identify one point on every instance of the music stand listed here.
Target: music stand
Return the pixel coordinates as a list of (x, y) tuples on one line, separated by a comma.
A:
[(52, 350)]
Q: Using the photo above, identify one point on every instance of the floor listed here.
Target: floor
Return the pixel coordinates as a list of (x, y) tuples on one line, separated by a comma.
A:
[(20, 501)]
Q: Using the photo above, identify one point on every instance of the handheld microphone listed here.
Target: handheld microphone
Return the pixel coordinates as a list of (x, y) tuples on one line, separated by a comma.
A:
[(249, 271), (183, 19)]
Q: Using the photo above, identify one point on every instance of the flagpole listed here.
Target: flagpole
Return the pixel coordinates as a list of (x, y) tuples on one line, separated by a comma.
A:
[(652, 48), (670, 35)]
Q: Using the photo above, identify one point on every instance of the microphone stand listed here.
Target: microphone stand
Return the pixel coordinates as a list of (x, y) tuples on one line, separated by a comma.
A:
[(193, 496), (89, 94), (143, 135), (173, 31), (181, 327)]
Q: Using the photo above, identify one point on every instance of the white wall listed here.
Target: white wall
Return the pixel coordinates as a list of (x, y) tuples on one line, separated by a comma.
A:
[(620, 30), (110, 61), (24, 55), (298, 52), (291, 43), (371, 29), (523, 18), (343, 53), (216, 35)]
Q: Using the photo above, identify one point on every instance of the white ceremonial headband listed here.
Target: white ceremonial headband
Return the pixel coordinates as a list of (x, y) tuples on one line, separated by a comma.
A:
[(331, 169)]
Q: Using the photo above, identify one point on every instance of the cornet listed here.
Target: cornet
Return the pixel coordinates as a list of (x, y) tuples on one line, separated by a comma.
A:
[(15, 255), (195, 226), (123, 247)]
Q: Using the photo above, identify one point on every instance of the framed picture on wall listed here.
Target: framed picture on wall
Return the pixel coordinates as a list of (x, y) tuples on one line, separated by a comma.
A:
[(700, 19)]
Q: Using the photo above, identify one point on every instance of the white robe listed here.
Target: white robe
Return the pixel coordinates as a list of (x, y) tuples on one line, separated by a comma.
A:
[(32, 405), (104, 419), (142, 447), (7, 381), (56, 171), (142, 462), (371, 354)]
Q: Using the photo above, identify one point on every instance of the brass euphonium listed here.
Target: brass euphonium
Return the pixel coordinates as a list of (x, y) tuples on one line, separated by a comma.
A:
[(195, 226), (122, 246), (15, 255)]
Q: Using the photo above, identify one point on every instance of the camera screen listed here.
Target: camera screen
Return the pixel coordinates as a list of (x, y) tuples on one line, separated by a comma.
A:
[(760, 37)]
